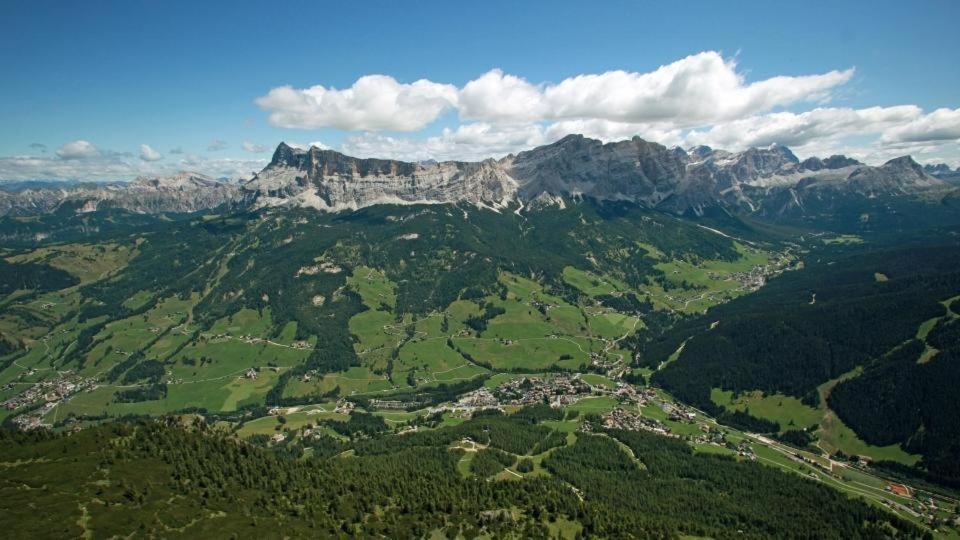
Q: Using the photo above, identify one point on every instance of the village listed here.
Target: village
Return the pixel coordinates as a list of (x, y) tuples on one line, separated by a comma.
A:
[(47, 393)]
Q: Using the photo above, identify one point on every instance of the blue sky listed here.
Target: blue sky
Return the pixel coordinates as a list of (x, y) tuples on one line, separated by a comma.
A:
[(184, 79)]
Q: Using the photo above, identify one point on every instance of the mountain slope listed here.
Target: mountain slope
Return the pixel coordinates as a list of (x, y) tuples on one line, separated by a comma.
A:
[(331, 181), (769, 183), (181, 193)]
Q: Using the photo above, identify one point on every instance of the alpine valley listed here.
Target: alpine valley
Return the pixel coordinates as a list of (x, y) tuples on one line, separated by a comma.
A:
[(578, 340)]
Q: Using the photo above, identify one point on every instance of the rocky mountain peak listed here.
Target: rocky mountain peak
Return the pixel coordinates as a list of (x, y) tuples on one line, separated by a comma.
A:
[(184, 180), (939, 168), (575, 166), (702, 151), (835, 161), (904, 164), (286, 155)]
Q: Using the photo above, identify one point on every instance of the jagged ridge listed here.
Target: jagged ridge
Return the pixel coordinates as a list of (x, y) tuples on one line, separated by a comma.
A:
[(768, 180)]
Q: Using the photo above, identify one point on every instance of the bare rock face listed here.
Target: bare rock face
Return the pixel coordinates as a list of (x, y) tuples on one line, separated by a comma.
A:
[(328, 180), (766, 180), (943, 172), (634, 170), (182, 193)]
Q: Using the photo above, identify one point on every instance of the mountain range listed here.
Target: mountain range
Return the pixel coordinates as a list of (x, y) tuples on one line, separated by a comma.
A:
[(768, 181)]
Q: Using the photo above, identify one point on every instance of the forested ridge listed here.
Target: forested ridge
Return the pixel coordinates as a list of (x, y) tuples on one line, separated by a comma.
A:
[(294, 274), (845, 309), (161, 478), (900, 400)]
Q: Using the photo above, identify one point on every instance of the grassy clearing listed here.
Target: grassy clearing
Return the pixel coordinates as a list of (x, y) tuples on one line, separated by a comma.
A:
[(88, 262), (356, 380), (599, 404), (532, 354), (843, 239), (611, 325), (374, 287), (834, 435), (590, 283), (432, 360), (268, 425), (521, 321), (787, 411)]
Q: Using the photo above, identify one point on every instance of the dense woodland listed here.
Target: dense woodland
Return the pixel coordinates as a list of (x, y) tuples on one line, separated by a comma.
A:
[(783, 339), (35, 277), (799, 331), (899, 400), (166, 480)]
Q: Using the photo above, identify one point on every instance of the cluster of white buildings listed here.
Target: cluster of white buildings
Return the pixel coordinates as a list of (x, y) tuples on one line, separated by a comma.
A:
[(50, 391)]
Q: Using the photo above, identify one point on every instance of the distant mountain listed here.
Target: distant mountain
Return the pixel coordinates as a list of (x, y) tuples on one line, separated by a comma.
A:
[(770, 182), (182, 193), (943, 172), (331, 181)]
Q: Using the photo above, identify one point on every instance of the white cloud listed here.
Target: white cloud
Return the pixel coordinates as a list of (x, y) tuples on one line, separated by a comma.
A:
[(940, 125), (696, 90), (468, 142), (254, 148), (798, 129), (149, 154), (78, 149), (374, 102), (504, 98), (220, 167), (216, 145)]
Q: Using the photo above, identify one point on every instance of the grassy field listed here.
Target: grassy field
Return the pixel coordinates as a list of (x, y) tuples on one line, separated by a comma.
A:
[(834, 435), (432, 360), (590, 283), (787, 411), (268, 425), (88, 262), (599, 404), (531, 354)]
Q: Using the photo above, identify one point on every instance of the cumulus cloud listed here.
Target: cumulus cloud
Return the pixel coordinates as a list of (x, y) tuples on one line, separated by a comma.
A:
[(374, 102), (254, 148), (694, 91), (216, 145), (798, 129), (700, 99), (940, 125), (149, 154), (699, 89), (78, 149), (504, 98), (468, 142)]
